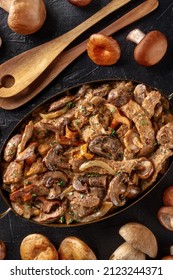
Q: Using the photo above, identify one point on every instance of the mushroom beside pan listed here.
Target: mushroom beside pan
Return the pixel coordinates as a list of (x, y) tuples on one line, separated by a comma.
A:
[(150, 48)]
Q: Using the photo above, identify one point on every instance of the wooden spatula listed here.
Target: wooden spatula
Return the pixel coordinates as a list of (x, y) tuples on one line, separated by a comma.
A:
[(66, 57), (19, 72)]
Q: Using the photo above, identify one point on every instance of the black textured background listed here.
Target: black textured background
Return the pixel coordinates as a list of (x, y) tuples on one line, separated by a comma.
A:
[(102, 236)]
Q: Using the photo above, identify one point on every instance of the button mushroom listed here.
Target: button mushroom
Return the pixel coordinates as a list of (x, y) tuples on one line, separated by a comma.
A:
[(168, 196), (140, 237), (127, 252), (25, 16), (165, 216), (150, 48), (37, 247), (80, 3)]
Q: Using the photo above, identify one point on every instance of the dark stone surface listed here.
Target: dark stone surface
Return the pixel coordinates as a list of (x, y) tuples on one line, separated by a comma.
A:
[(102, 236)]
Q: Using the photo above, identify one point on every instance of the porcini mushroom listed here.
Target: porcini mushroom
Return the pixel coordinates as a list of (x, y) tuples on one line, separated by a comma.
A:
[(151, 47), (127, 252), (25, 16), (140, 237)]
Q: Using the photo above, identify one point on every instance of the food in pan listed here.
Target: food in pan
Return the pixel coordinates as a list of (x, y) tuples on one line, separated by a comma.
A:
[(37, 247), (87, 154), (73, 248)]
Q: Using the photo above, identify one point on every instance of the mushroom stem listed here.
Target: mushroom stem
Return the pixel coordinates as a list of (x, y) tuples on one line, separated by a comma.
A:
[(5, 5), (135, 36)]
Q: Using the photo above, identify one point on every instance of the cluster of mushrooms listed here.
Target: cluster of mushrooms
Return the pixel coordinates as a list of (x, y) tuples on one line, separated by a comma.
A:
[(140, 244)]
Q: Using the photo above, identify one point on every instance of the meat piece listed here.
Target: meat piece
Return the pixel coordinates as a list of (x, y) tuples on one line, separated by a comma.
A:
[(26, 136), (165, 136), (85, 199), (81, 183), (54, 159), (143, 125), (13, 173), (149, 103), (25, 210), (28, 153), (11, 147), (102, 90), (54, 178), (47, 205), (28, 192), (107, 146), (62, 102), (49, 217), (158, 158)]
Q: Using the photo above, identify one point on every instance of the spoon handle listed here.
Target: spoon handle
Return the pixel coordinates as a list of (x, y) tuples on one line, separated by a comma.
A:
[(68, 56), (22, 70)]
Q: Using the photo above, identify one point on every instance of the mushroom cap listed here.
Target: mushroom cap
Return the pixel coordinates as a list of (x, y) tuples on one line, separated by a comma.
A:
[(26, 17), (151, 49), (140, 237), (127, 252)]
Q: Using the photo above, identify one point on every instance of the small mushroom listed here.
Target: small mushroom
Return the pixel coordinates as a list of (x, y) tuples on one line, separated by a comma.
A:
[(127, 252), (80, 3), (25, 16), (103, 50), (165, 216), (151, 47), (169, 257), (2, 250), (168, 196), (73, 248), (140, 237)]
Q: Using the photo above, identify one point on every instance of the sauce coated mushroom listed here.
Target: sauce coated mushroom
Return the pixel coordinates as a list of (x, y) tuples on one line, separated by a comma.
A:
[(150, 48)]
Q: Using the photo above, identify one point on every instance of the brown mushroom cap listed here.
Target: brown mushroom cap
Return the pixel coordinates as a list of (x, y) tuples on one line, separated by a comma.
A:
[(26, 17), (165, 216), (73, 248), (151, 49), (140, 237), (127, 252)]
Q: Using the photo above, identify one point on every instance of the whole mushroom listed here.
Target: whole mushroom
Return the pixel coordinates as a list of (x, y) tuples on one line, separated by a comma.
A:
[(25, 16), (2, 250), (169, 257), (140, 237), (80, 3), (165, 216), (127, 252), (151, 47)]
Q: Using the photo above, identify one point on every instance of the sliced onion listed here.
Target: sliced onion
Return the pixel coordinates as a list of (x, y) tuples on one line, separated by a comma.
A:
[(98, 163), (54, 114)]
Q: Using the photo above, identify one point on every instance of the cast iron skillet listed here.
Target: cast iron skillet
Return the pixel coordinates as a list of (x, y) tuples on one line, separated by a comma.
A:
[(44, 104)]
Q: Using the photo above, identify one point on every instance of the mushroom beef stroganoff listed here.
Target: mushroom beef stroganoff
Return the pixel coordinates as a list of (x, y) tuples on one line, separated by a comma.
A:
[(88, 153)]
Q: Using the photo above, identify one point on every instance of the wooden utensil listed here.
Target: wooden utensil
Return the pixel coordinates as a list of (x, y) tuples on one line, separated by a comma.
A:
[(66, 57), (20, 71)]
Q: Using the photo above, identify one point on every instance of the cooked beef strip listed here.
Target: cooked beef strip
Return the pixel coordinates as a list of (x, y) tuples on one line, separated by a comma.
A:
[(142, 122), (13, 173), (150, 101), (11, 147), (165, 136)]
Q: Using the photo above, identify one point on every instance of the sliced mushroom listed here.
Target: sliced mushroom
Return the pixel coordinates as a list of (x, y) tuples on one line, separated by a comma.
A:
[(127, 252), (132, 141), (73, 248), (140, 237), (54, 178), (144, 168)]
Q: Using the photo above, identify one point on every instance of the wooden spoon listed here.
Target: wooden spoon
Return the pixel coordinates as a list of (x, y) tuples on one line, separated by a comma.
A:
[(66, 57), (20, 71)]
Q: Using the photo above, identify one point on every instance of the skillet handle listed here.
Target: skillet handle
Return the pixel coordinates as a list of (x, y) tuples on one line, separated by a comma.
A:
[(2, 215)]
